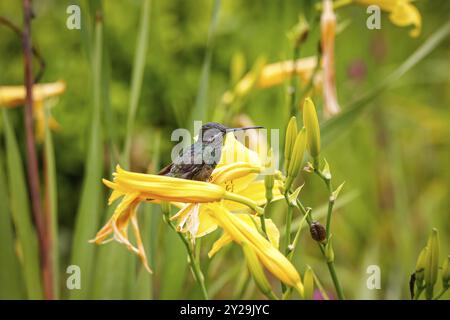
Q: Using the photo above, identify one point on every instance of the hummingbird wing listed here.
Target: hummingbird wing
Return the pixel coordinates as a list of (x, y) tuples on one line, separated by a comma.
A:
[(164, 171)]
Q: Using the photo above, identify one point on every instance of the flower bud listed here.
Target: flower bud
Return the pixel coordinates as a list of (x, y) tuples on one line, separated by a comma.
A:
[(308, 283), (298, 153), (291, 134), (311, 124), (446, 273), (432, 263), (420, 267), (256, 270), (318, 231)]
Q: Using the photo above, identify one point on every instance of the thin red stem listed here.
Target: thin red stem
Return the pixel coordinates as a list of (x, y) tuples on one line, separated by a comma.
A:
[(32, 163)]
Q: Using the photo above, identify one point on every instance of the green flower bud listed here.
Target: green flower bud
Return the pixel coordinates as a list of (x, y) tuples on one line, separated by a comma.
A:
[(446, 273), (256, 269), (311, 124), (291, 134), (308, 283), (432, 263), (420, 267), (298, 153)]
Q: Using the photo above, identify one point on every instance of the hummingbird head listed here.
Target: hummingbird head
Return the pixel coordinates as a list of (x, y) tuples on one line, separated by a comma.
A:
[(211, 129)]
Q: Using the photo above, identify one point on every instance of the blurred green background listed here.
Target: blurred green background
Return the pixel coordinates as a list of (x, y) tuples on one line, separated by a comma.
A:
[(394, 156)]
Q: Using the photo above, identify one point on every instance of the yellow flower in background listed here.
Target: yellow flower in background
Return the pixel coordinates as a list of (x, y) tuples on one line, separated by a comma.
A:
[(401, 13), (276, 73), (14, 96), (243, 232)]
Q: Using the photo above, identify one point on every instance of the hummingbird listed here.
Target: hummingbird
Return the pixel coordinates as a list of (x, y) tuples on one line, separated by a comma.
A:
[(198, 161)]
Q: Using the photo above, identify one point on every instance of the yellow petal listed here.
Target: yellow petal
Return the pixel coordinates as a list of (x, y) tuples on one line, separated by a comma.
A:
[(219, 244), (276, 73), (165, 188), (240, 232), (12, 96), (402, 13)]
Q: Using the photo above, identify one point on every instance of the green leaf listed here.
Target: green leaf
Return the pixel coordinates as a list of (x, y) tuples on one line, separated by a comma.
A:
[(20, 207), (91, 196), (12, 286), (137, 76), (294, 195), (173, 271), (113, 283), (201, 103), (51, 205), (336, 192)]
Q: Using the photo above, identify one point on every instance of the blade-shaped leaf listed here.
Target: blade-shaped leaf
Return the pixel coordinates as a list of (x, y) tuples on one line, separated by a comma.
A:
[(91, 196), (12, 286), (20, 207)]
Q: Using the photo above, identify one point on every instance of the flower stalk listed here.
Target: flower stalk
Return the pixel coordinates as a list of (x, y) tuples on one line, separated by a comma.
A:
[(194, 263), (32, 163)]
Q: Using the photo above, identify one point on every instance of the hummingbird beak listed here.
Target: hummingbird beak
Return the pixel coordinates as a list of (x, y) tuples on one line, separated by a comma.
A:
[(244, 128)]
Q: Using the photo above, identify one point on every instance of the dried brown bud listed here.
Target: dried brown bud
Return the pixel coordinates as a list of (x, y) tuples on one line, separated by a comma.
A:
[(318, 231)]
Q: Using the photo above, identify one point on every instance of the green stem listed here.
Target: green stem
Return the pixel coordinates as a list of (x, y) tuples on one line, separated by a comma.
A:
[(334, 277), (263, 225), (287, 240), (192, 261), (246, 201), (331, 269), (331, 199), (297, 237)]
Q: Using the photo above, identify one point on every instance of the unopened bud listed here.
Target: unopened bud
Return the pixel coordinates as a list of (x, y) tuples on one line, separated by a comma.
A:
[(318, 231), (291, 134), (432, 263), (298, 153), (311, 124), (256, 269), (420, 267)]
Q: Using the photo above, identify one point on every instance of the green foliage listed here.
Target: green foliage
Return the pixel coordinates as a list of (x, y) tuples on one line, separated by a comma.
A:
[(139, 69)]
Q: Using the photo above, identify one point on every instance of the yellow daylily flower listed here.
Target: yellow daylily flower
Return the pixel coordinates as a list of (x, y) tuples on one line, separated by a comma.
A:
[(401, 13), (14, 96), (135, 188), (230, 180), (240, 231), (236, 171)]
